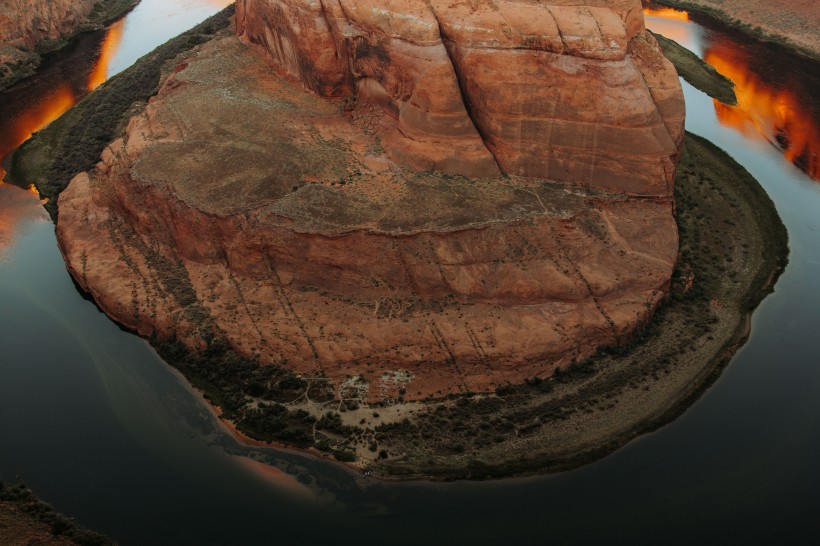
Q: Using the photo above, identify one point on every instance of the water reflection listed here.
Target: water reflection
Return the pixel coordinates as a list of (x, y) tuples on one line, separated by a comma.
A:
[(109, 48), (671, 23), (153, 22), (779, 115), (783, 108), (665, 13), (19, 125), (18, 209), (95, 422), (65, 78), (71, 73)]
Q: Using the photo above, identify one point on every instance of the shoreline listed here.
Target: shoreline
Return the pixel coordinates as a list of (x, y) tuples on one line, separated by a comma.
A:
[(749, 26), (29, 61), (231, 429), (74, 142), (698, 376), (697, 72), (539, 426)]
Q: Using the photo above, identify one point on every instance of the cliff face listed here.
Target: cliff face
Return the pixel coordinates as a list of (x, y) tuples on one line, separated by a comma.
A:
[(27, 26), (27, 23), (793, 24), (298, 227), (571, 90)]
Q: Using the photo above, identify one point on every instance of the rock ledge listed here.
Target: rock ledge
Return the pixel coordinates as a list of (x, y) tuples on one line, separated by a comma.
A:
[(298, 226)]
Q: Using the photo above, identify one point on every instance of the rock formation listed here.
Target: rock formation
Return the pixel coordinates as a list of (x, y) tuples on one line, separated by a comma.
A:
[(27, 23), (28, 26), (419, 198), (570, 90)]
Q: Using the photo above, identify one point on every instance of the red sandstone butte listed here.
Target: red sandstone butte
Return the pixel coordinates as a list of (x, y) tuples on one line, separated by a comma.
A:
[(573, 91), (442, 196)]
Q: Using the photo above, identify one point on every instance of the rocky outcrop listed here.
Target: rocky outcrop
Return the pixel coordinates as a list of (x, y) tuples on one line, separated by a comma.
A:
[(300, 229), (25, 520), (574, 91), (31, 26), (27, 23)]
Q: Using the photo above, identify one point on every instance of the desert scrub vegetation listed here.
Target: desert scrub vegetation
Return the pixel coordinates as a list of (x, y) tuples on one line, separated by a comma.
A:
[(105, 11), (724, 270), (732, 247), (73, 143), (21, 63), (262, 401), (24, 501)]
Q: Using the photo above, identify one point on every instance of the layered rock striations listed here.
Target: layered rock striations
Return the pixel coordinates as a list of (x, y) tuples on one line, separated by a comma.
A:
[(419, 218), (573, 91), (25, 24)]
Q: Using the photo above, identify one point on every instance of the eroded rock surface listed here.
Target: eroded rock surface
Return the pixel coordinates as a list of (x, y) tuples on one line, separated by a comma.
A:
[(28, 26), (297, 225), (27, 23), (571, 90)]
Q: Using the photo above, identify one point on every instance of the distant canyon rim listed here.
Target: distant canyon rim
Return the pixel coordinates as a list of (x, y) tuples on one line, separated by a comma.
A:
[(793, 25), (29, 28), (407, 198)]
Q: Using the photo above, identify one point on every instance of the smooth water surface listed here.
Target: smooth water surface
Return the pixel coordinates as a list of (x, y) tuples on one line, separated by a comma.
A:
[(100, 427)]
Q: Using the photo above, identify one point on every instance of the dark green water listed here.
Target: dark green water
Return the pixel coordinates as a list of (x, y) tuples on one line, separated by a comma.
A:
[(101, 428)]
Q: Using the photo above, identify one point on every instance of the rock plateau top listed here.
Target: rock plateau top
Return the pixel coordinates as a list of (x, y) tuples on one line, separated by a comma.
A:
[(407, 198)]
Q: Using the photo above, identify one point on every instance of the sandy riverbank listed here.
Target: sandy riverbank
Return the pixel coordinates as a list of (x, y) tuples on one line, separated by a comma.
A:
[(733, 248)]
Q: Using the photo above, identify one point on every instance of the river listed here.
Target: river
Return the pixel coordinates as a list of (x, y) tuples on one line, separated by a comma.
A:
[(100, 427)]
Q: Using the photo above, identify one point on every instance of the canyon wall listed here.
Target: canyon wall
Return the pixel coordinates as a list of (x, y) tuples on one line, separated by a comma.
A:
[(574, 91), (304, 228), (28, 27), (27, 23)]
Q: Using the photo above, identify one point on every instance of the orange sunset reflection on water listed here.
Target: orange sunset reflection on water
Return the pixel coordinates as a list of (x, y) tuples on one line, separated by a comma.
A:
[(110, 45), (34, 106), (778, 115), (18, 208), (669, 22), (43, 105), (784, 114), (31, 106), (665, 13), (19, 128)]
